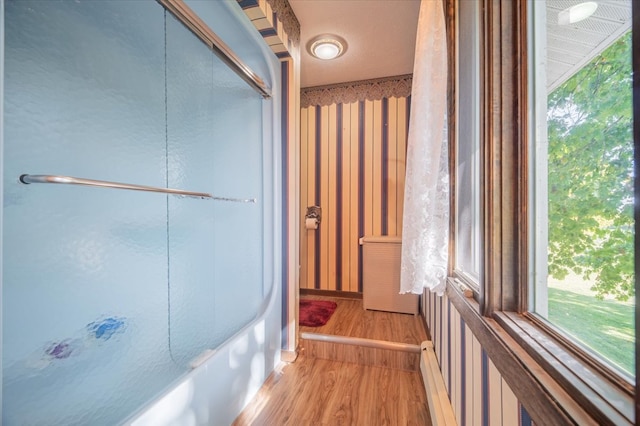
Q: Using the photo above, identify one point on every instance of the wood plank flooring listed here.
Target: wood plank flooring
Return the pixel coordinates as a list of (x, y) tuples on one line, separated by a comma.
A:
[(351, 320), (324, 392), (318, 391)]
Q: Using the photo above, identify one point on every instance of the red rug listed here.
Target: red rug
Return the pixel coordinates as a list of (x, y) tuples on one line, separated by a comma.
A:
[(314, 313)]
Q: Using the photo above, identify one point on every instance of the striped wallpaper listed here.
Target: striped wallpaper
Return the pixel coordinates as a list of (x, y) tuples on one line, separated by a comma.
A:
[(276, 22), (279, 27), (352, 166), (478, 393)]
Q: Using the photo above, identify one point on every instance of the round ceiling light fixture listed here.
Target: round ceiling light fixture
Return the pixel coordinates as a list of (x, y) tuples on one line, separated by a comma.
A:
[(577, 13), (327, 46)]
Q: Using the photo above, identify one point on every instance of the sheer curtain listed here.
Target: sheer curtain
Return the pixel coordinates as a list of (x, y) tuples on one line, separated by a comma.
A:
[(425, 232)]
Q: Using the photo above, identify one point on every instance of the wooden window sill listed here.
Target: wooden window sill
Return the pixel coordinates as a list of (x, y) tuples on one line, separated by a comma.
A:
[(554, 384)]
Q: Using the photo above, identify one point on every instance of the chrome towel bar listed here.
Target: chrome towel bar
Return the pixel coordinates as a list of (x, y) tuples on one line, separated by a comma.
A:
[(68, 180)]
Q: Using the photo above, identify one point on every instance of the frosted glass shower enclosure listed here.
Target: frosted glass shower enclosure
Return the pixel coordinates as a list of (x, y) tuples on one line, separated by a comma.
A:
[(109, 295)]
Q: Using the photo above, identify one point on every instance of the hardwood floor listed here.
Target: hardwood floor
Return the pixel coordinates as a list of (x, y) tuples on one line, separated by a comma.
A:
[(318, 391), (351, 320), (324, 392)]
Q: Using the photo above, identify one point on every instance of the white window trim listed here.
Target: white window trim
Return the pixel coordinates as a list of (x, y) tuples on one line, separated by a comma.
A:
[(538, 178)]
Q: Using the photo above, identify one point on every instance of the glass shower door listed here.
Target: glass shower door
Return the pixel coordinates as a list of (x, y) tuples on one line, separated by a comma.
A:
[(108, 294), (85, 269), (214, 137)]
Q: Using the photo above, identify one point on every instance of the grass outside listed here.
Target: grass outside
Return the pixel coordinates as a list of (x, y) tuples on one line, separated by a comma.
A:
[(605, 326)]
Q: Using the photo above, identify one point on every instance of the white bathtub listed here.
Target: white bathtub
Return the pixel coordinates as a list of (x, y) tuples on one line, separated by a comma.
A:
[(217, 390), (224, 379)]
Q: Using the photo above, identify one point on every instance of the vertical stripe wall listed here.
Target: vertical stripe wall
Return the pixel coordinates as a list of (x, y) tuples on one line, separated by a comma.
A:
[(353, 167), (280, 29), (276, 23), (478, 393), (286, 67)]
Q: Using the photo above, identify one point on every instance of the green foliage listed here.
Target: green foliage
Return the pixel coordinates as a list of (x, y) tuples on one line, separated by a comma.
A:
[(591, 174)]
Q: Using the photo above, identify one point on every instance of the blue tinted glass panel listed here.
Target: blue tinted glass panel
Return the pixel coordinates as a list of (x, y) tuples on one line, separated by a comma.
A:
[(215, 145), (225, 18), (108, 294), (84, 268)]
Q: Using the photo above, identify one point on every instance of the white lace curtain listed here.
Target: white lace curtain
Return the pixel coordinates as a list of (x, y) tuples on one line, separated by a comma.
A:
[(425, 232)]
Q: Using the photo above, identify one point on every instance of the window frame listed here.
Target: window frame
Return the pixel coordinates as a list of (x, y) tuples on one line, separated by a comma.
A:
[(470, 279), (564, 384)]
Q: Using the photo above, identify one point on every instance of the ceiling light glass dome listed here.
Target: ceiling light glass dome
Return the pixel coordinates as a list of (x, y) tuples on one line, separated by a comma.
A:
[(327, 46)]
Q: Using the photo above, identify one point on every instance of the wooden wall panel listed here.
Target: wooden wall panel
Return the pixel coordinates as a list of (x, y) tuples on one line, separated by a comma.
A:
[(494, 395), (444, 342), (402, 130), (478, 393), (304, 194), (310, 171), (467, 378), (391, 163), (328, 204), (476, 383), (324, 185), (369, 149), (352, 166), (456, 367), (354, 195), (374, 215), (343, 197), (510, 406)]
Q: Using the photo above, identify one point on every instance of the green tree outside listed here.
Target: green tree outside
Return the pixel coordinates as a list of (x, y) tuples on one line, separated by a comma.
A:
[(590, 159)]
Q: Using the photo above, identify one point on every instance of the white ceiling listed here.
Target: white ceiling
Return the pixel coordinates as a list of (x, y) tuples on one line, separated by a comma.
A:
[(570, 47), (381, 37)]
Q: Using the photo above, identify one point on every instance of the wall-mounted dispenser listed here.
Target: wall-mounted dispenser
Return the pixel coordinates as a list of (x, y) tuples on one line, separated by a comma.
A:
[(313, 217)]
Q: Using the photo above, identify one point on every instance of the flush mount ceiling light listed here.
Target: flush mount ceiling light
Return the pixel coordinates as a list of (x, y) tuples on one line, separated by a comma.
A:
[(327, 46), (577, 13)]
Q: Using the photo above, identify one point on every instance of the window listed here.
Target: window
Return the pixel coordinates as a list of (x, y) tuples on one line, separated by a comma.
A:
[(582, 176), (467, 170), (543, 196)]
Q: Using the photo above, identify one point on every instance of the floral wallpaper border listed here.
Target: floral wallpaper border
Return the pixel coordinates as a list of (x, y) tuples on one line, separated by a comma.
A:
[(289, 20), (374, 89)]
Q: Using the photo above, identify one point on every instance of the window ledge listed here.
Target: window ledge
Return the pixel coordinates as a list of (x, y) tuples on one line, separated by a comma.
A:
[(606, 399), (553, 384)]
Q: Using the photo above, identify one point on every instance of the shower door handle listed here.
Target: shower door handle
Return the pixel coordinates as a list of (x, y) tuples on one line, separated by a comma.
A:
[(69, 180)]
